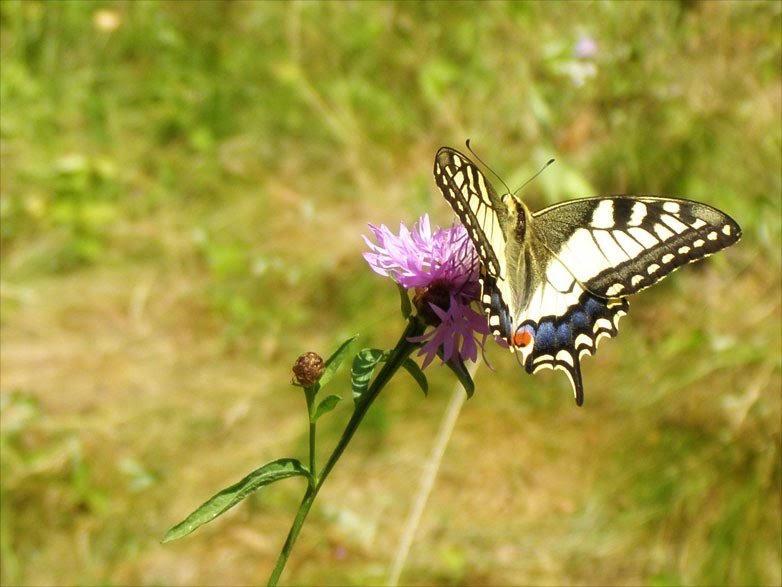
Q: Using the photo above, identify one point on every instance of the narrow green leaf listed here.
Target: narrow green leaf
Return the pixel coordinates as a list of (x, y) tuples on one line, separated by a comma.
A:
[(230, 496), (414, 370), (326, 406), (462, 374), (334, 361), (364, 365), (404, 298)]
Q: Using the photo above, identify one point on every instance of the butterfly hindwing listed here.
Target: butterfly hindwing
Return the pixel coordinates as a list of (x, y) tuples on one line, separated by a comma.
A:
[(495, 307), (559, 342)]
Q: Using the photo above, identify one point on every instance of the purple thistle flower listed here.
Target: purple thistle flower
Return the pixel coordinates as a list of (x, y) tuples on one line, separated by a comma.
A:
[(442, 267)]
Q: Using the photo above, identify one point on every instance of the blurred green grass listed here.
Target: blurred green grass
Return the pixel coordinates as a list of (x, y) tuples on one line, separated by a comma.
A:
[(183, 189)]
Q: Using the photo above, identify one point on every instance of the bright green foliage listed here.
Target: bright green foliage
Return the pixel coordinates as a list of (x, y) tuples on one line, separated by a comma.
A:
[(364, 365), (334, 361), (326, 405), (361, 371), (230, 496)]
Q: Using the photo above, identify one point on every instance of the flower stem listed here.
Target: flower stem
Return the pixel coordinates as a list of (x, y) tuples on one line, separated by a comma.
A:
[(403, 348), (310, 393), (312, 447)]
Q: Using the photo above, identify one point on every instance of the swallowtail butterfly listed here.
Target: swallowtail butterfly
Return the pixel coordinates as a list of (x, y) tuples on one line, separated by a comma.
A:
[(555, 282)]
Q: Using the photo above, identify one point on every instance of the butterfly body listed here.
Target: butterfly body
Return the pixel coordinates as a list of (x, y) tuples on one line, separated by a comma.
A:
[(554, 282)]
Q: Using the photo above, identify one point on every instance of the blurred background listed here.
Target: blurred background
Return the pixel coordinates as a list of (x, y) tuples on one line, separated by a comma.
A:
[(184, 186)]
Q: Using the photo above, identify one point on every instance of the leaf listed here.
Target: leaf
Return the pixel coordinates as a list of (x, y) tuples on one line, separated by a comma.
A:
[(230, 496), (363, 366), (462, 374), (334, 361), (406, 306), (414, 370), (326, 406)]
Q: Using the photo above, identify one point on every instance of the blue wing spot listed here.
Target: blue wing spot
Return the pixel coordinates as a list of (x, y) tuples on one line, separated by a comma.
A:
[(564, 335), (580, 320), (594, 308), (545, 337)]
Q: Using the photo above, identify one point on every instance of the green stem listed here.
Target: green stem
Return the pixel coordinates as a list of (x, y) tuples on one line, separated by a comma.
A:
[(311, 393), (400, 352), (312, 447)]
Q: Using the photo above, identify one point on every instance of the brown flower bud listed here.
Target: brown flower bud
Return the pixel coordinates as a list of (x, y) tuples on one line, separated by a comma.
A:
[(308, 369)]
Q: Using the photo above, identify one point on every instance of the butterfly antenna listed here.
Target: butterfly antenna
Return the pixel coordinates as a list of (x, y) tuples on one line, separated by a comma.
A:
[(494, 173), (521, 187)]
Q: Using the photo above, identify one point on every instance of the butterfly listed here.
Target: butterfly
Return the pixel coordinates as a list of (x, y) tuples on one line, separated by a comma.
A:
[(555, 282)]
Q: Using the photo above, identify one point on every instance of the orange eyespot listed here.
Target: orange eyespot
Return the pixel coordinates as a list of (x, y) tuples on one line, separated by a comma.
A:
[(522, 338)]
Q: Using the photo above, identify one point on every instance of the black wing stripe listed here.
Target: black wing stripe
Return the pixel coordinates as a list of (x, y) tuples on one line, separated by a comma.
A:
[(456, 178), (622, 212)]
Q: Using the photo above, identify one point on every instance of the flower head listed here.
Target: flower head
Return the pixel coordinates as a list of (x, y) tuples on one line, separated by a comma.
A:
[(441, 266)]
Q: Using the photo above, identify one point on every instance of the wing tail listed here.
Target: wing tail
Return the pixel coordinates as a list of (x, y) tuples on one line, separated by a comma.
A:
[(560, 342)]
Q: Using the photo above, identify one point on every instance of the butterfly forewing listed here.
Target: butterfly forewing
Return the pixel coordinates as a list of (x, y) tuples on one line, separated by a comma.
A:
[(483, 215), (619, 245), (477, 205)]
